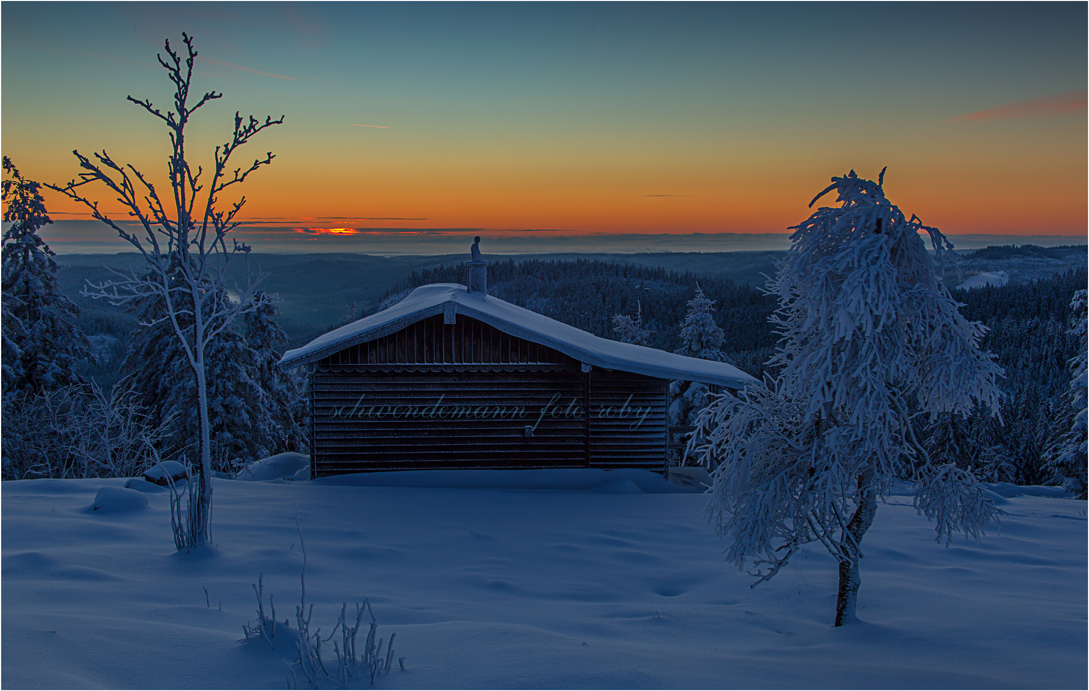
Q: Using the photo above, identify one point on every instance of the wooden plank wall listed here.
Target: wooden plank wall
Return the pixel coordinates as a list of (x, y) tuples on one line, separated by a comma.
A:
[(461, 395), (461, 419), (628, 420)]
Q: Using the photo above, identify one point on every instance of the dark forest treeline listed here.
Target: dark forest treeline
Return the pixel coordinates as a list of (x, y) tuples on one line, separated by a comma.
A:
[(1028, 331), (588, 293)]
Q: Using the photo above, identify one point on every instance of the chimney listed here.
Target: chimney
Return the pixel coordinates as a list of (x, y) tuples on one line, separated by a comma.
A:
[(478, 270)]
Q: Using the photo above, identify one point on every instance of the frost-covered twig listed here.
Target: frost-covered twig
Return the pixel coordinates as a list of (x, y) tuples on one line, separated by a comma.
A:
[(265, 627), (308, 643)]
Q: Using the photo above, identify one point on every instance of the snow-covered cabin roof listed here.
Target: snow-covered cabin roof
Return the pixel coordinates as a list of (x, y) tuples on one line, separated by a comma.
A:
[(440, 298)]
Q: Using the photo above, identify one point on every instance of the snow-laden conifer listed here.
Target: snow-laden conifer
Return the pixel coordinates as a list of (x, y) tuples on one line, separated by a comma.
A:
[(631, 330), (39, 318), (969, 442), (283, 415), (11, 371), (1067, 459), (237, 403), (869, 338), (701, 337)]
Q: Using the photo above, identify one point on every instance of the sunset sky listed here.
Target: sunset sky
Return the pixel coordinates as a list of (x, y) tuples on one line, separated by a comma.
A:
[(551, 119)]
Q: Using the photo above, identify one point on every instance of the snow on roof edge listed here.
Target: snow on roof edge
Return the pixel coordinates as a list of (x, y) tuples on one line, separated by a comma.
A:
[(433, 299)]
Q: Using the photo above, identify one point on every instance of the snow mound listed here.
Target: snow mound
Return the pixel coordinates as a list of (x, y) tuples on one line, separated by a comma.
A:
[(625, 480), (141, 485), (118, 500), (691, 478), (1005, 489), (987, 278), (159, 472), (279, 467)]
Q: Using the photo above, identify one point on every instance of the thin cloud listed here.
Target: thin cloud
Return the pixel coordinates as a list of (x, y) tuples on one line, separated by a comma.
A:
[(243, 68), (1046, 106), (381, 127), (324, 220)]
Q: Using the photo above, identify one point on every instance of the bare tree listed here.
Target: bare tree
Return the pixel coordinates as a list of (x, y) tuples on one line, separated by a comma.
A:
[(182, 238)]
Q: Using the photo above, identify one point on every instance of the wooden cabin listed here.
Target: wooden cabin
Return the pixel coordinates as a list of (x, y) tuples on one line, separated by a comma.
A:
[(452, 377)]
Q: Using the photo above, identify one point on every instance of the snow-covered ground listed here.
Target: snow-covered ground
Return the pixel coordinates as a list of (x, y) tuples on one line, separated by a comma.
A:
[(535, 579), (987, 278)]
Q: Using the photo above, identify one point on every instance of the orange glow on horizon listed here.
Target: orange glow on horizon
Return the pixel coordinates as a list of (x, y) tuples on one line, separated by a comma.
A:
[(327, 231)]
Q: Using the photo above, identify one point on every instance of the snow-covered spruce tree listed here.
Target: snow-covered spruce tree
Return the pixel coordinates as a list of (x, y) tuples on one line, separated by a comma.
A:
[(1067, 458), (969, 442), (236, 403), (235, 400), (11, 370), (630, 330), (185, 229), (701, 338), (155, 367), (40, 319), (283, 421), (869, 336), (243, 412)]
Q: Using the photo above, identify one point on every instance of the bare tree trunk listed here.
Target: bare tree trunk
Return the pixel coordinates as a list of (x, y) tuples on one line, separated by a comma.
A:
[(851, 547), (204, 484)]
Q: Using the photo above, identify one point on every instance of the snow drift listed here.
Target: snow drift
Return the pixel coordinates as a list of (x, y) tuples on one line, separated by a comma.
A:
[(524, 587)]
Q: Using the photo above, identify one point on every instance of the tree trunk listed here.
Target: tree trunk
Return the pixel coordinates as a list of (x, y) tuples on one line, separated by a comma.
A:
[(851, 548), (202, 522)]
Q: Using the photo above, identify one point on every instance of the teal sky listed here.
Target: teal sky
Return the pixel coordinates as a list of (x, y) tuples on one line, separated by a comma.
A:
[(579, 118)]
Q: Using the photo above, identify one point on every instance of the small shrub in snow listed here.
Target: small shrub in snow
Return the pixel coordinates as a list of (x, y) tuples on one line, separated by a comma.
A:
[(79, 432), (308, 643), (265, 626), (186, 523)]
